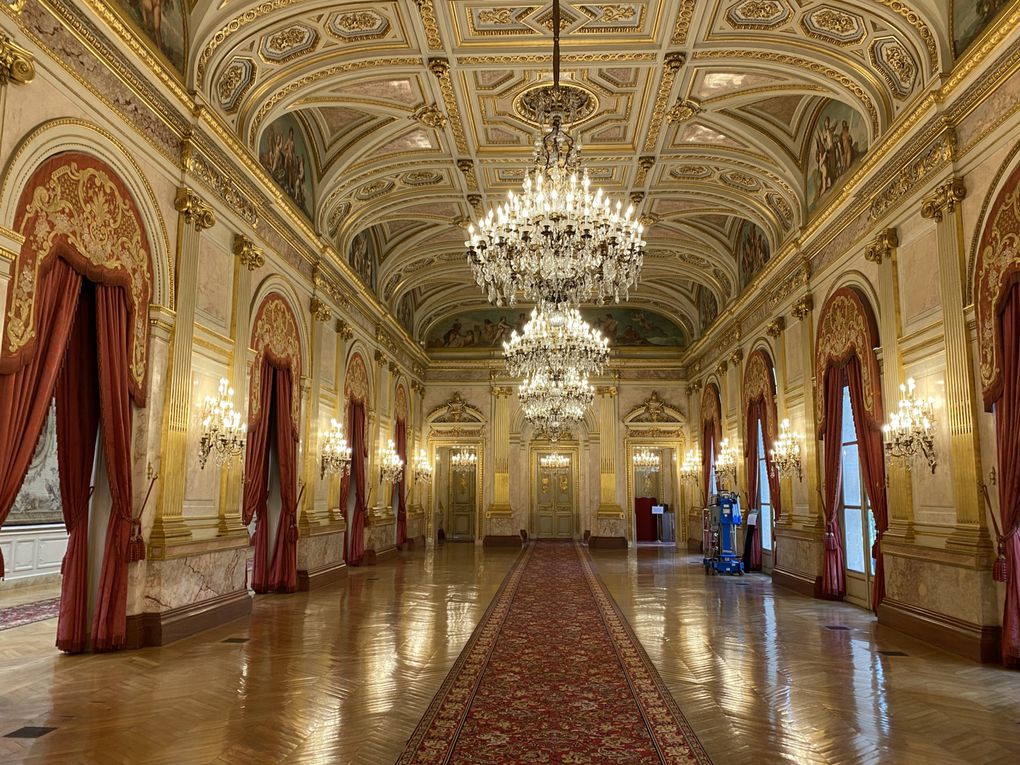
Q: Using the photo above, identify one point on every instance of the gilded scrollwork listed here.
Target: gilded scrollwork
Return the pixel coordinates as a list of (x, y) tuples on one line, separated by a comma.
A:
[(400, 403), (356, 381), (275, 332)]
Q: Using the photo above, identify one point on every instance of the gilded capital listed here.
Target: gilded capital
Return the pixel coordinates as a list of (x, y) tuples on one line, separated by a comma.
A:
[(343, 329), (193, 209), (250, 254), (606, 390), (737, 356), (803, 307), (721, 368), (380, 357), (16, 63), (502, 391), (320, 311), (393, 367), (943, 199), (775, 327), (882, 246)]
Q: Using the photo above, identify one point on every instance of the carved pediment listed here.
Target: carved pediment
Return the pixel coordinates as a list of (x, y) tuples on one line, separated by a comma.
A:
[(655, 411), (456, 410)]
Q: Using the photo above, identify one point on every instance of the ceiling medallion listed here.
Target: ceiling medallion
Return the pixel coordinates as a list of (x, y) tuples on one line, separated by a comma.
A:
[(540, 104), (557, 243)]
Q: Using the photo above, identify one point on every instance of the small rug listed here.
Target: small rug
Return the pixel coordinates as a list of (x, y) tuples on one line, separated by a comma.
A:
[(27, 613), (553, 674)]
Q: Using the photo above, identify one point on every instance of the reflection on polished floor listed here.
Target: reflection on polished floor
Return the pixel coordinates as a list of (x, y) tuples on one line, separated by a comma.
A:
[(342, 675)]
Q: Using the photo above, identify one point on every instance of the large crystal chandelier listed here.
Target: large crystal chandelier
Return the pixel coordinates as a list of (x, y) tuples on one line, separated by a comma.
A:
[(785, 454), (336, 452), (222, 429), (556, 339), (690, 470), (555, 463), (557, 242), (553, 401), (647, 459), (726, 465), (910, 432), (464, 460), (391, 467)]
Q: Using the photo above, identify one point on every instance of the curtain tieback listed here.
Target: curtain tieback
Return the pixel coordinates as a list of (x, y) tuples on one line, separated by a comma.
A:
[(136, 545)]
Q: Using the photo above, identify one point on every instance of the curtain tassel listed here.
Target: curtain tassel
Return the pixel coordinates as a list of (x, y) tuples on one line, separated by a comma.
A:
[(999, 567), (136, 546), (830, 540)]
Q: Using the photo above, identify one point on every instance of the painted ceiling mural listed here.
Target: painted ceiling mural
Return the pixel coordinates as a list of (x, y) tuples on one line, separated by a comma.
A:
[(709, 113), (163, 23), (491, 327), (970, 17), (752, 250), (283, 152)]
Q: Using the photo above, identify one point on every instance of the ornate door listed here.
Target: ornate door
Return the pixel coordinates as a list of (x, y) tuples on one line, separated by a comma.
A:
[(462, 504), (554, 502)]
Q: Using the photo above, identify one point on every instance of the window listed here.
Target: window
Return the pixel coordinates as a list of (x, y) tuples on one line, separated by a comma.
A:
[(856, 510), (765, 498)]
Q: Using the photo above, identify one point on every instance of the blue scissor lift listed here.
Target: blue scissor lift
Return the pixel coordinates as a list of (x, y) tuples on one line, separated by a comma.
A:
[(721, 519)]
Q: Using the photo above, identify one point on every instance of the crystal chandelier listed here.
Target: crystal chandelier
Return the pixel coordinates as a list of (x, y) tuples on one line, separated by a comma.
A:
[(554, 401), (391, 467), (464, 460), (646, 459), (785, 453), (556, 339), (557, 242), (557, 463), (336, 453), (422, 468), (222, 429), (726, 465), (910, 432), (690, 470)]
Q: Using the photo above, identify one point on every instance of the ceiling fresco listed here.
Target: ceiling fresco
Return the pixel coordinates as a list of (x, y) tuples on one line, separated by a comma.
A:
[(718, 119)]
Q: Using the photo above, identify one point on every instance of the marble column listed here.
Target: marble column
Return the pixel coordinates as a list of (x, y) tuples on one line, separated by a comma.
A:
[(194, 216), (499, 515), (248, 258), (344, 335), (804, 311), (943, 206), (313, 420), (611, 524), (882, 250)]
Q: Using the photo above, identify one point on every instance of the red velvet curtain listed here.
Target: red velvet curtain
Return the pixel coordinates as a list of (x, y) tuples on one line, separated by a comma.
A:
[(869, 440), (359, 452), (256, 477), (77, 398), (833, 574), (283, 572), (1007, 426), (399, 487), (25, 394), (707, 457), (113, 321), (755, 414)]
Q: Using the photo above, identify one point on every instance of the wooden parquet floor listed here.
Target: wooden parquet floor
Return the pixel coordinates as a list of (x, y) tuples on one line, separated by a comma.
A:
[(343, 674)]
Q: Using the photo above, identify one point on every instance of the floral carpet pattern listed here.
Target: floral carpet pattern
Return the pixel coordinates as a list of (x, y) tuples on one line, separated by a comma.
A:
[(553, 674), (27, 613)]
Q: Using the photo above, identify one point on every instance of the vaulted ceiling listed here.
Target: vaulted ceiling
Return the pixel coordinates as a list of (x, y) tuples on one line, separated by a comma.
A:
[(705, 114)]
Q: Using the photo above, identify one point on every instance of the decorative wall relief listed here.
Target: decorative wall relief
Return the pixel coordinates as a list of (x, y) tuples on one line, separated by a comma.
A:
[(752, 250), (275, 333), (711, 410), (400, 403), (838, 139), (356, 382), (283, 152), (163, 22)]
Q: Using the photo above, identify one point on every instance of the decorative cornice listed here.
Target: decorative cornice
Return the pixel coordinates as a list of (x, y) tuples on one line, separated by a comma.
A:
[(943, 199), (16, 63), (882, 246), (250, 255), (939, 151), (320, 311), (195, 211), (775, 327), (803, 307)]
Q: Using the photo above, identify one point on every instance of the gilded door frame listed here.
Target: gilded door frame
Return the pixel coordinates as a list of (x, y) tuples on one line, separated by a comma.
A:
[(631, 444), (536, 451), (475, 440)]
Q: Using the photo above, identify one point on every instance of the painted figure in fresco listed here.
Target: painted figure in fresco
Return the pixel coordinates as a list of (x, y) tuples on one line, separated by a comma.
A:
[(754, 252), (609, 326), (152, 18)]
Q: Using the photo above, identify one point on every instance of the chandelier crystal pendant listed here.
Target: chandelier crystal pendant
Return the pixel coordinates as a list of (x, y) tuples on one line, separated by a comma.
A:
[(464, 460), (336, 453), (556, 463), (222, 429), (646, 459), (785, 452), (556, 339), (726, 465), (910, 432), (557, 242), (391, 467), (552, 401)]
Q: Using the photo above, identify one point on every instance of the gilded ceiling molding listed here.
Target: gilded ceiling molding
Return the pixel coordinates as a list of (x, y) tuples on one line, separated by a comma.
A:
[(672, 65), (882, 246), (440, 68), (943, 199), (428, 20), (221, 183), (913, 18), (250, 255), (683, 22), (467, 167), (683, 110), (16, 64), (231, 29)]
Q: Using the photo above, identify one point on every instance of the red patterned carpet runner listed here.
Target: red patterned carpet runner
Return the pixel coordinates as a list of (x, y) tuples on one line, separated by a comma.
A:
[(27, 613), (553, 674)]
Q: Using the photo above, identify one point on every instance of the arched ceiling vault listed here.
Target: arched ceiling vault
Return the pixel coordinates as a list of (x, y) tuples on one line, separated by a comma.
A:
[(707, 117)]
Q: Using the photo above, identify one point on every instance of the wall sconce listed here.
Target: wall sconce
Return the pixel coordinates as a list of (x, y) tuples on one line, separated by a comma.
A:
[(222, 429), (646, 459), (726, 464), (390, 465), (690, 470), (556, 463), (910, 432), (336, 453), (422, 468), (785, 452), (464, 459)]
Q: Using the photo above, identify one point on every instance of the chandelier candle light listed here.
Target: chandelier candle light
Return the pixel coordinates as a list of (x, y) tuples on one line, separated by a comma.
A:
[(390, 464), (422, 468), (690, 470), (910, 432), (785, 452), (222, 429), (336, 453), (726, 464), (552, 402), (555, 462), (556, 339), (557, 242), (646, 459)]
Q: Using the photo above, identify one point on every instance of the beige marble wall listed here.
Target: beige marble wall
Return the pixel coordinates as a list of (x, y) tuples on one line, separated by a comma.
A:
[(191, 579), (320, 550)]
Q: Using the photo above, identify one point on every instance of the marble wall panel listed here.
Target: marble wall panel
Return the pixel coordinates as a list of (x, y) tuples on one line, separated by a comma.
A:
[(182, 581), (801, 556), (963, 593), (918, 266), (320, 550)]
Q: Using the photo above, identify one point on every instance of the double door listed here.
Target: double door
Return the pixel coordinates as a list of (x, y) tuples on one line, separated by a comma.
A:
[(554, 502), (462, 504)]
